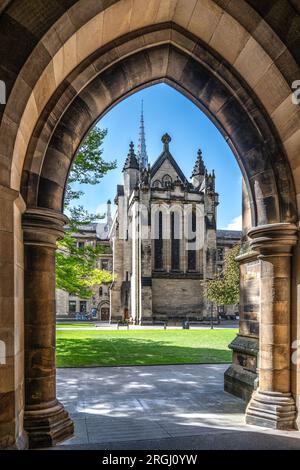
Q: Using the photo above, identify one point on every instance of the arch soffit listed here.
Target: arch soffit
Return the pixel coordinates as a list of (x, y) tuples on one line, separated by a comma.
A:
[(213, 101), (219, 26)]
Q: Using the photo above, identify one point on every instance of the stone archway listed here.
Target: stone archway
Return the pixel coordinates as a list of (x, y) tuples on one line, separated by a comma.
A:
[(63, 85), (103, 311)]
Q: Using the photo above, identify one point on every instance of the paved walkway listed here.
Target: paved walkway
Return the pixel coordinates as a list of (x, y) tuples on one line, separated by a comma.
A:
[(159, 407)]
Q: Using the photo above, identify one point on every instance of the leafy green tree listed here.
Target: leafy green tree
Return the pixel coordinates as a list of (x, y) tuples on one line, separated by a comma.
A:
[(225, 288), (88, 166), (76, 270)]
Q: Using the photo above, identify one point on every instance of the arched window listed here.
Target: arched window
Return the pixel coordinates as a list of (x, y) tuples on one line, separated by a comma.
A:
[(156, 184), (192, 240), (175, 241), (167, 181), (100, 291), (158, 242)]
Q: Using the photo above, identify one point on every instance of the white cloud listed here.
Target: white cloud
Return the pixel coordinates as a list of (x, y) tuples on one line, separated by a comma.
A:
[(101, 209), (235, 224)]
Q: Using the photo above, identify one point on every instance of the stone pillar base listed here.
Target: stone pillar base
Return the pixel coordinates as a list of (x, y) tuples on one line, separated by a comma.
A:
[(47, 427), (239, 382), (273, 410), (240, 377)]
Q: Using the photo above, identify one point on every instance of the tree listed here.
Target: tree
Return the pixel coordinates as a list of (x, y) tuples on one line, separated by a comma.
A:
[(225, 288), (76, 270), (88, 166)]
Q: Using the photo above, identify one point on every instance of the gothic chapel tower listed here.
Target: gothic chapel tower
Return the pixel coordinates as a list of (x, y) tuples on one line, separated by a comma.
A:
[(163, 238)]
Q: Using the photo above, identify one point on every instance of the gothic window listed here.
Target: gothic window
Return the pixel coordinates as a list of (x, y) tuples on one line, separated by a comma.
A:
[(175, 241), (100, 291), (158, 243), (192, 239), (220, 254), (104, 264), (167, 181), (156, 184)]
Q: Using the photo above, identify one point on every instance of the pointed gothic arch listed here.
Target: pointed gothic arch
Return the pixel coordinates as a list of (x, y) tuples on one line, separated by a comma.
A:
[(59, 83)]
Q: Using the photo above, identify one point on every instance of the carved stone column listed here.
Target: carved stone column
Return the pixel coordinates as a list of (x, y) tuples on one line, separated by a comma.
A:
[(46, 420), (272, 404), (12, 434)]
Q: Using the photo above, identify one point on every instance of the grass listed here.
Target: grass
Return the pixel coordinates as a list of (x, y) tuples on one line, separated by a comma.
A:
[(75, 325), (143, 347)]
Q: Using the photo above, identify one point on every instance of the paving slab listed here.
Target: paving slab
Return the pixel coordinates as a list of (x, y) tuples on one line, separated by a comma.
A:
[(159, 407)]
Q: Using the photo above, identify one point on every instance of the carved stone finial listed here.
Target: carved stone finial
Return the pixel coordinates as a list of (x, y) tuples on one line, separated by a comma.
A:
[(199, 168), (166, 139), (131, 160), (131, 148)]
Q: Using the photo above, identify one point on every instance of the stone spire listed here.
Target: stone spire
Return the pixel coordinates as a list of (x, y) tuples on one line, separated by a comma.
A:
[(199, 171), (199, 168), (142, 151), (131, 160), (108, 214)]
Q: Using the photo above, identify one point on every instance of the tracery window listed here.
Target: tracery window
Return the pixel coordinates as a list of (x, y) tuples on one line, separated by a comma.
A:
[(156, 184), (158, 242), (192, 239), (167, 181), (175, 241)]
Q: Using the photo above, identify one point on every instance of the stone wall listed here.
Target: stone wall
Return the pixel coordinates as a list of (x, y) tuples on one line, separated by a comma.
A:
[(165, 169), (177, 298), (62, 303), (240, 377), (11, 321)]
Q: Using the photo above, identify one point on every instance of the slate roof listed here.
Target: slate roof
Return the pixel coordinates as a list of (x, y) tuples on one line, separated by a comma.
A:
[(229, 234), (102, 231)]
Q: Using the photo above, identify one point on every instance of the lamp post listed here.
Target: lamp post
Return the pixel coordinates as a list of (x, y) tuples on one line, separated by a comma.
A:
[(211, 316)]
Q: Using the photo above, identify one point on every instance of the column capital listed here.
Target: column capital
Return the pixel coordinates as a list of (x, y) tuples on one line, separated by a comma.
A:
[(43, 227), (274, 239)]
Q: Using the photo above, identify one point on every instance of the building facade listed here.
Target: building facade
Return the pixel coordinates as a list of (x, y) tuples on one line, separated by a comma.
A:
[(161, 246), (164, 239), (98, 306)]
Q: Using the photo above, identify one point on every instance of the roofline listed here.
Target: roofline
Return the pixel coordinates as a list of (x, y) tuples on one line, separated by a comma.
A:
[(166, 154)]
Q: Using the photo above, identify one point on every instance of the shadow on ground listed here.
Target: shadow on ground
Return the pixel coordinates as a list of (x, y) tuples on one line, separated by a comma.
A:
[(159, 407), (208, 439)]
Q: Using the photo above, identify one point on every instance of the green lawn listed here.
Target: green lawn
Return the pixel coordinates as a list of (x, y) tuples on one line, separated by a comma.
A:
[(143, 347), (75, 325)]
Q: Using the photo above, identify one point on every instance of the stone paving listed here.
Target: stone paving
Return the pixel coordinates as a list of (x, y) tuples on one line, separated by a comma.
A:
[(182, 406)]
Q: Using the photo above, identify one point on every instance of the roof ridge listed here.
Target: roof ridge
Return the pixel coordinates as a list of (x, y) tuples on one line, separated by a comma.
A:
[(166, 154)]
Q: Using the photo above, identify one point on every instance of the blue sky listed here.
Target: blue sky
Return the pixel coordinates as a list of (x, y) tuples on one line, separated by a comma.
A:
[(166, 110)]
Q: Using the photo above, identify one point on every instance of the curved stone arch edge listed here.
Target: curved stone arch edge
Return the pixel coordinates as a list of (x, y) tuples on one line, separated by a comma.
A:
[(186, 93), (224, 10)]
